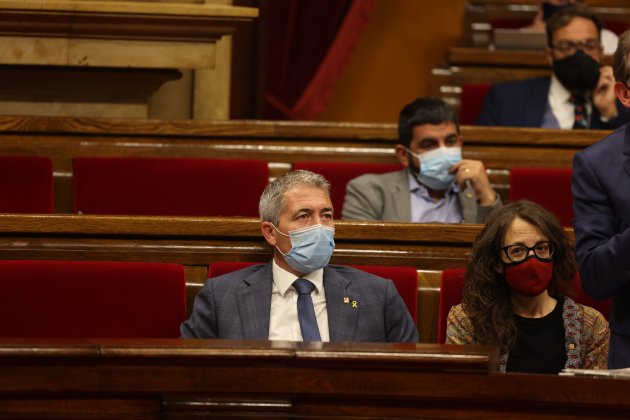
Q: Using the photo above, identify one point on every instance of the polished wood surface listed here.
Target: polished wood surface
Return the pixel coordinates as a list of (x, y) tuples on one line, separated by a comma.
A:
[(88, 46), (122, 20), (197, 242), (279, 143), (254, 379)]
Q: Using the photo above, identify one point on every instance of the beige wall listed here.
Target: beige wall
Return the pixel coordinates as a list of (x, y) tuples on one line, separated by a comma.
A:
[(393, 59)]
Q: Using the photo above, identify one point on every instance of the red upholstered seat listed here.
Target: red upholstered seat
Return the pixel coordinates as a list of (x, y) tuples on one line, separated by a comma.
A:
[(340, 173), (95, 299), (453, 285), (26, 184), (472, 97), (405, 279), (450, 295), (549, 187), (168, 186)]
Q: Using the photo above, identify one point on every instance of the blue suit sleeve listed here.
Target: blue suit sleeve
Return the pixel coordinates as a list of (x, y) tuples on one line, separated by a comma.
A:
[(490, 112), (202, 322), (399, 325), (602, 248)]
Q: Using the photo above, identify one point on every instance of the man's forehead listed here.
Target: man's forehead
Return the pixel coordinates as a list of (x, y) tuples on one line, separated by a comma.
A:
[(306, 196), (577, 30), (444, 129)]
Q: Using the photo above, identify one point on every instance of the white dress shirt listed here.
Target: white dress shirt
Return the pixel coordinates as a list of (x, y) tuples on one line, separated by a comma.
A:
[(284, 323), (562, 107)]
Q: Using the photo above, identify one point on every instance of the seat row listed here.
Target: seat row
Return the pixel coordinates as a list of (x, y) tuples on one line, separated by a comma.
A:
[(212, 187), (98, 299)]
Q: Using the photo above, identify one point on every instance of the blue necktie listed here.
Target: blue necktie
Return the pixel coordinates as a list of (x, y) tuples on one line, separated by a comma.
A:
[(306, 312), (581, 119)]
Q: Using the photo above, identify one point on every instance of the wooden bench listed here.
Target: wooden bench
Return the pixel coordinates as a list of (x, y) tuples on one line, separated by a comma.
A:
[(196, 242), (261, 379), (479, 16), (279, 143)]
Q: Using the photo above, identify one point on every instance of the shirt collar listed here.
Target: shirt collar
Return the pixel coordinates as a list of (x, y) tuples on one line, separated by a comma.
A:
[(283, 280), (558, 94), (416, 187)]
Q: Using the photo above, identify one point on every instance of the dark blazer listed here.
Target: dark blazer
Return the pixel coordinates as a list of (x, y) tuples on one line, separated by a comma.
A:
[(601, 202), (523, 104), (237, 305)]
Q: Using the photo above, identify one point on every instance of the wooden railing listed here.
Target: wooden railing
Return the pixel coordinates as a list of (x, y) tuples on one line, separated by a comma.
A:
[(254, 379)]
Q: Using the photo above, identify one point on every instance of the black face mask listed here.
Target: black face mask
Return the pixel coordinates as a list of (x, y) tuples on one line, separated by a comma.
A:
[(549, 9), (578, 73)]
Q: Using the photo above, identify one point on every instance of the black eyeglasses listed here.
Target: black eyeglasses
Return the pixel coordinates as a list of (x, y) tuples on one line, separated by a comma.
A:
[(517, 253), (589, 46)]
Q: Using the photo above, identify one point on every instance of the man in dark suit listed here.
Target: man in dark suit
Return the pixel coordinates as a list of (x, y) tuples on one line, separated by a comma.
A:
[(601, 201), (578, 94), (268, 302)]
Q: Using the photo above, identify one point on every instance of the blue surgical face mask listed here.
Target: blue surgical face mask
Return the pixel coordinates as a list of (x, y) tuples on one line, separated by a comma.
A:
[(311, 248), (434, 166)]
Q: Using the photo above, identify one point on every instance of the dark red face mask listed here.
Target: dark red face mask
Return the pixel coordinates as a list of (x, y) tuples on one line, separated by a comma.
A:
[(529, 277)]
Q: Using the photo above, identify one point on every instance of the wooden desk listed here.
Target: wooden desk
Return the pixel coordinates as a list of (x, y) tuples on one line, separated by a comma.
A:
[(253, 379), (481, 14), (279, 143), (197, 242)]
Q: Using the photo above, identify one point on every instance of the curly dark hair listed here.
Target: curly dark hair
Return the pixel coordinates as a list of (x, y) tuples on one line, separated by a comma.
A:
[(486, 297)]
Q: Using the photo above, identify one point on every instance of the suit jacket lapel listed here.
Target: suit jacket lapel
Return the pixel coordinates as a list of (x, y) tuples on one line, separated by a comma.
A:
[(536, 102), (402, 197), (254, 304), (342, 317)]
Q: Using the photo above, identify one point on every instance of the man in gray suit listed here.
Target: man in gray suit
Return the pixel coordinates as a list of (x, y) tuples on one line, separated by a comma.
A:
[(262, 302), (437, 184)]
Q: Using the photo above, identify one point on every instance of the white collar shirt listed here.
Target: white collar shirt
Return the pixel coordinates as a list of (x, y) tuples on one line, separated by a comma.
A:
[(283, 321), (562, 106)]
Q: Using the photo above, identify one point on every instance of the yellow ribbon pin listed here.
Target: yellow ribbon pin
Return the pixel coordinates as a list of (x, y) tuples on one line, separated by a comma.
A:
[(355, 304)]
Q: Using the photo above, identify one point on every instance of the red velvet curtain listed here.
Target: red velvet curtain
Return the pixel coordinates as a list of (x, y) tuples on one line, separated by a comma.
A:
[(309, 42)]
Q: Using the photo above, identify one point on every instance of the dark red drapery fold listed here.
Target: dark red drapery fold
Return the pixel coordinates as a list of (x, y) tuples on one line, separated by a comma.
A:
[(309, 43)]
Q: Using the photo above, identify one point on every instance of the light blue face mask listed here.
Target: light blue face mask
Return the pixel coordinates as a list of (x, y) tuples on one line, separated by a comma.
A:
[(311, 248), (434, 166)]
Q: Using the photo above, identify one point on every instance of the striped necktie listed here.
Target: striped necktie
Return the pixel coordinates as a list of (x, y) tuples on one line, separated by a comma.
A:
[(581, 119)]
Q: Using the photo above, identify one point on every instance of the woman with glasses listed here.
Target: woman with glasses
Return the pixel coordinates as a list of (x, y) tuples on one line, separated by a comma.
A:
[(516, 295)]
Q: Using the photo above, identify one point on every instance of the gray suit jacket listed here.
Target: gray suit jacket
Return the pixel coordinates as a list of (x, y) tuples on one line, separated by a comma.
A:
[(386, 197), (237, 305)]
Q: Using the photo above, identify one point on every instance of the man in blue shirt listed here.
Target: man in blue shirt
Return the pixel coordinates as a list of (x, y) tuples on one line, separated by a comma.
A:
[(437, 184)]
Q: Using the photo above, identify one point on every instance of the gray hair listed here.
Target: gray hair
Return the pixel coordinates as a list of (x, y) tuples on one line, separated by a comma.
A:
[(272, 203), (620, 59)]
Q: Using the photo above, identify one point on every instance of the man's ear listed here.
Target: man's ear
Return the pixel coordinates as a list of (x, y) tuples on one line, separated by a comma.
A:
[(269, 233), (402, 155), (623, 94)]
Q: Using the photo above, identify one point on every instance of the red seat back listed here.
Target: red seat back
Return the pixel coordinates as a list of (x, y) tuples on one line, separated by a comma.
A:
[(472, 97), (95, 299), (340, 173), (26, 184), (451, 289), (168, 186), (549, 187), (405, 279)]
